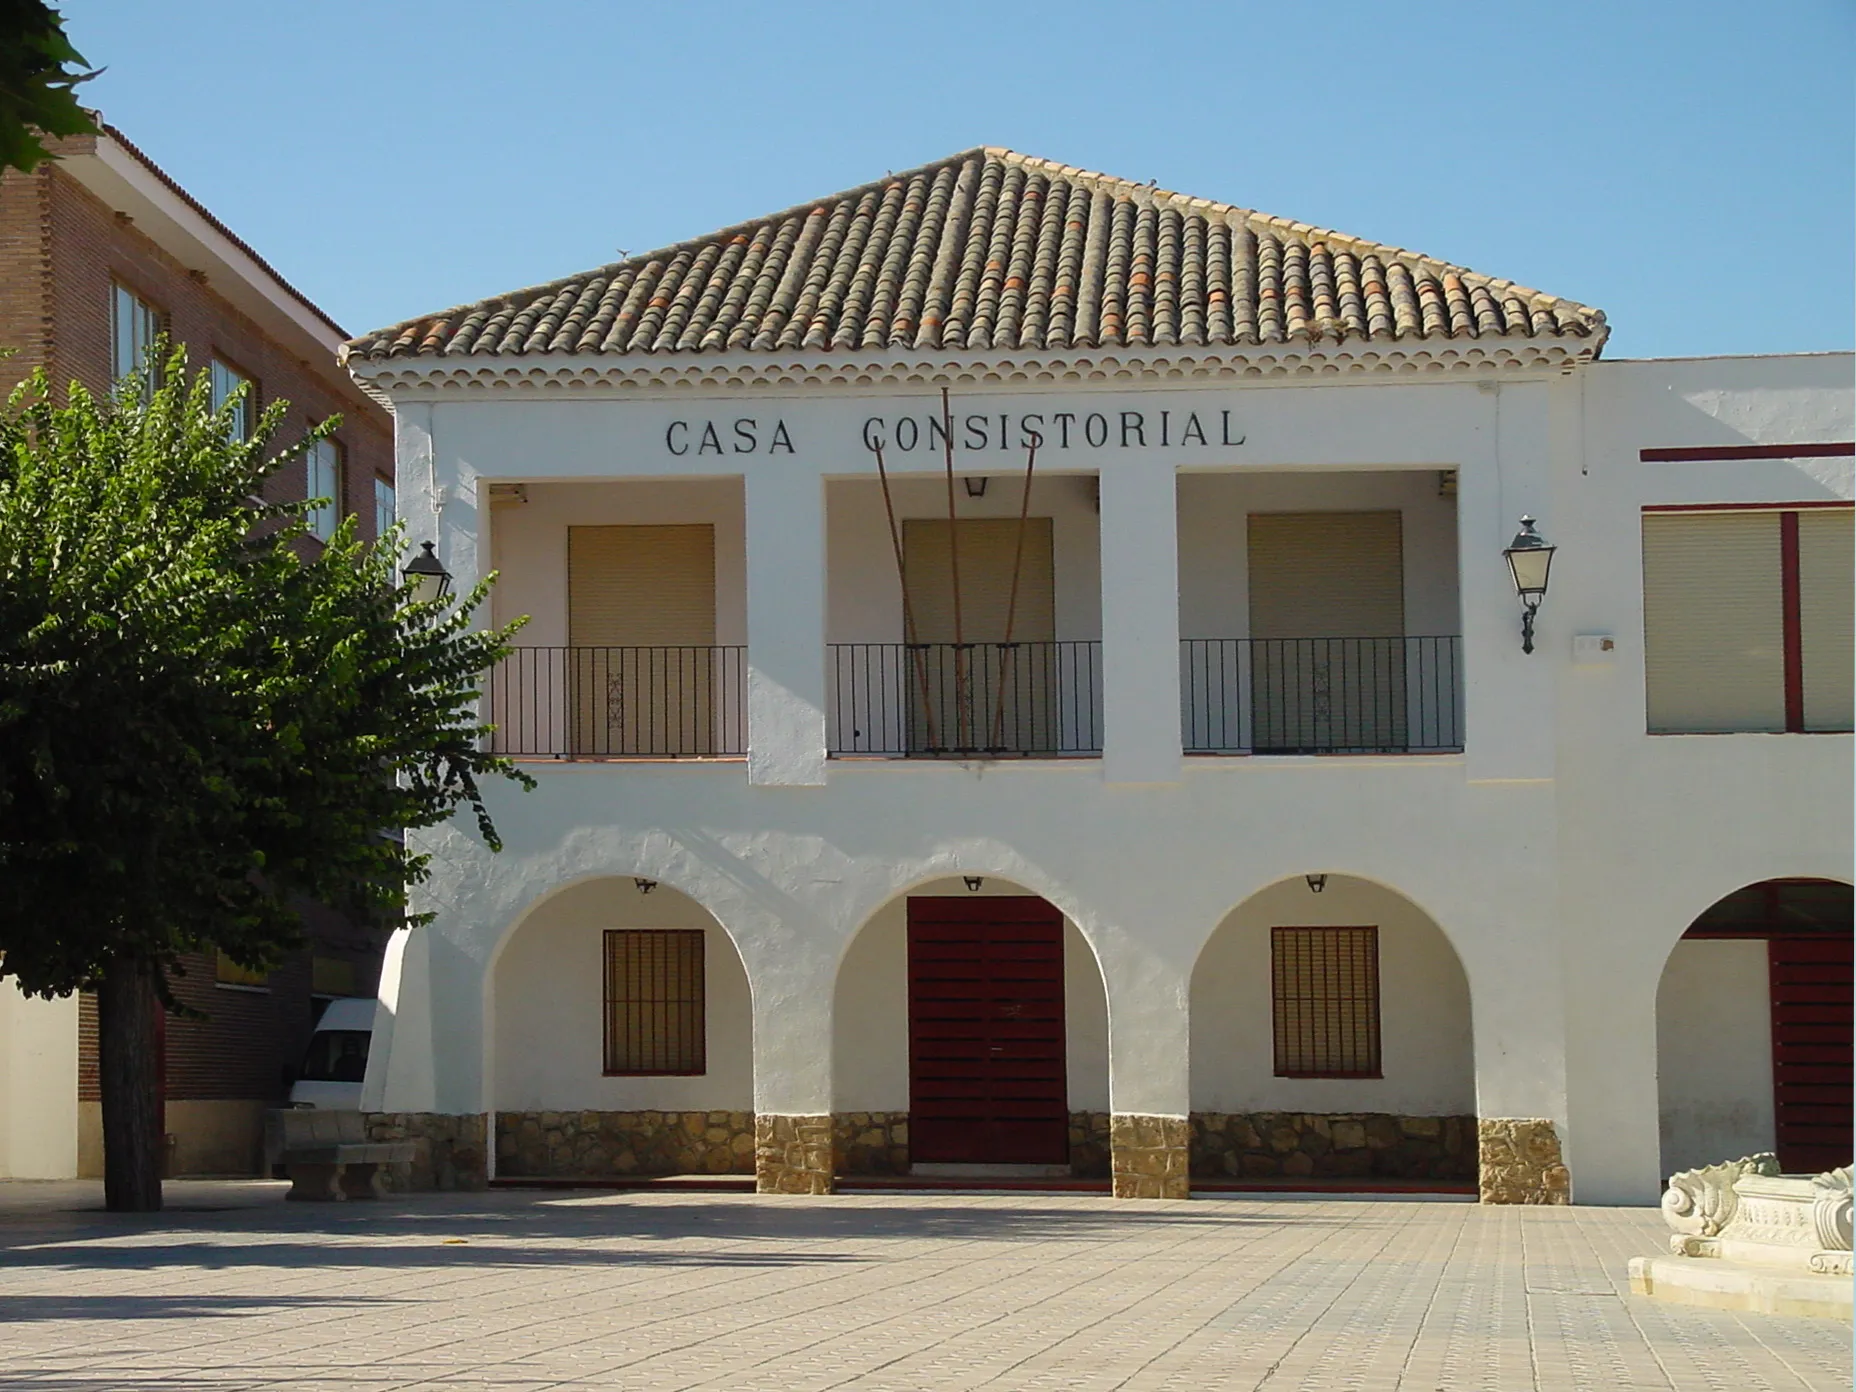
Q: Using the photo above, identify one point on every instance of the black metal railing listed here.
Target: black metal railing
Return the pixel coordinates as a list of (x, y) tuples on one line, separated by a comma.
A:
[(965, 700), (1321, 695), (638, 702)]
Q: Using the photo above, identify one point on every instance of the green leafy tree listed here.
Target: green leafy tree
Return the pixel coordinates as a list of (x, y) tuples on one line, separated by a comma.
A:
[(199, 722), (39, 75)]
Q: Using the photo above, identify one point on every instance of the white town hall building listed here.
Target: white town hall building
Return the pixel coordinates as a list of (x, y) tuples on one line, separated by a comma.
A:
[(1022, 672), (1197, 815)]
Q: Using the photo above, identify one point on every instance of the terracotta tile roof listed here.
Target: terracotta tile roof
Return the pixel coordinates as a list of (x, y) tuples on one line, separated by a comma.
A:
[(991, 250)]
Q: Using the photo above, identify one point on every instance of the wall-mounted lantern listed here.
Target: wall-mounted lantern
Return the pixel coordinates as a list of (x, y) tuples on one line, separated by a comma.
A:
[(426, 575), (642, 885), (1530, 558), (1316, 883), (976, 485), (973, 883)]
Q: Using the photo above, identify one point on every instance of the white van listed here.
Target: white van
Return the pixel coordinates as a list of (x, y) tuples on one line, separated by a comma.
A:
[(335, 1062)]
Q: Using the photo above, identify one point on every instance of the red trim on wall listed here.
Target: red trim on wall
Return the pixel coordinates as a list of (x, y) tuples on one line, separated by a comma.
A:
[(1794, 623), (1697, 454), (1749, 507)]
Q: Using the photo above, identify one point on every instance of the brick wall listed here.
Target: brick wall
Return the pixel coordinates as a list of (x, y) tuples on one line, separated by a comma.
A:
[(91, 246), (25, 273)]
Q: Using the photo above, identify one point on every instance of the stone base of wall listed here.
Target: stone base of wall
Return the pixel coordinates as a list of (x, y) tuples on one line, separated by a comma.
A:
[(1148, 1155), (1520, 1162), (870, 1143), (1297, 1145), (453, 1151), (1089, 1145), (611, 1145), (792, 1154)]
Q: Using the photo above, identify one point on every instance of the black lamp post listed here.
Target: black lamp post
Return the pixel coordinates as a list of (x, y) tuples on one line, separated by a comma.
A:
[(427, 576), (1530, 558)]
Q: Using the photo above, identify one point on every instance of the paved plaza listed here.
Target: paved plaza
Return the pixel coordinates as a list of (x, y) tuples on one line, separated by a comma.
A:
[(233, 1288)]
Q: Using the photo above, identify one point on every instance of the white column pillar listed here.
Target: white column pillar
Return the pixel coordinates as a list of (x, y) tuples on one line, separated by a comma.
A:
[(38, 1085), (1149, 1098), (786, 629), (1140, 623), (1508, 717), (400, 1062), (792, 1067)]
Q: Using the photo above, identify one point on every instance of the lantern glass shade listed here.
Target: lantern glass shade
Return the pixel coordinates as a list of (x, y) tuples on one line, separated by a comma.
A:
[(426, 575), (1530, 558)]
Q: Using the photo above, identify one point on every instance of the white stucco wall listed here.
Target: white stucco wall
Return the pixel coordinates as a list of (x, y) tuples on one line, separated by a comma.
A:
[(1562, 854), (38, 1086), (1714, 1053), (1426, 1051), (548, 1007), (870, 1013)]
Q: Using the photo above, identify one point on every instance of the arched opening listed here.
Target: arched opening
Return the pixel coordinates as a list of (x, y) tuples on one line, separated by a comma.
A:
[(970, 1028), (1753, 1020), (1331, 1039), (621, 1038)]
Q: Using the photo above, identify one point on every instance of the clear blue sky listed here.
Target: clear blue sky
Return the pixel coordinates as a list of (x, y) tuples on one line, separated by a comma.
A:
[(1690, 168)]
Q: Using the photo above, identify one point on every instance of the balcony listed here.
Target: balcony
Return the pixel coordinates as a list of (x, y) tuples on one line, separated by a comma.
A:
[(965, 700), (1321, 695), (628, 702)]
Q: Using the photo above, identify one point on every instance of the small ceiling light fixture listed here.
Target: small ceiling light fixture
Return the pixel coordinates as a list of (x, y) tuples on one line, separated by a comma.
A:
[(644, 886), (976, 485), (1530, 558), (973, 883), (426, 575), (1316, 883)]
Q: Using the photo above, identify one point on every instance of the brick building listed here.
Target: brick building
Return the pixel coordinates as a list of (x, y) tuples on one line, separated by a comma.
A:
[(100, 251)]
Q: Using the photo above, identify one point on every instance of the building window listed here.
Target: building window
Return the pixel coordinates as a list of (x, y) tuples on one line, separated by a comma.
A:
[(226, 380), (383, 508), (654, 1001), (325, 481), (134, 326), (1747, 619), (1326, 1002)]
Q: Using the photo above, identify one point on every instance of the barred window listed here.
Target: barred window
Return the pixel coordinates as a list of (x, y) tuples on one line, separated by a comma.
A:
[(1326, 1002), (654, 1001)]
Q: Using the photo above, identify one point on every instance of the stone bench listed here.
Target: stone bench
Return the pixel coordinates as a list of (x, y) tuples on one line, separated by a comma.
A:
[(328, 1156)]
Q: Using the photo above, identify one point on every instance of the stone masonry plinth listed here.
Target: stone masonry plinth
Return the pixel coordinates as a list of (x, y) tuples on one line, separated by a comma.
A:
[(1294, 1145), (605, 1145), (871, 1143), (792, 1154), (1519, 1162), (1149, 1156), (452, 1151)]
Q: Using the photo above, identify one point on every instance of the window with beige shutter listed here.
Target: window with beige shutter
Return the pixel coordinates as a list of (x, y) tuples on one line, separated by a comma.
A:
[(982, 695), (642, 675), (1826, 616), (654, 1000), (1325, 1000), (1747, 618), (1327, 626)]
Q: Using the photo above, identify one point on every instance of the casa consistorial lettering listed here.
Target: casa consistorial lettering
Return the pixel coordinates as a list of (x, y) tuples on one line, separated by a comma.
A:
[(739, 435), (973, 431)]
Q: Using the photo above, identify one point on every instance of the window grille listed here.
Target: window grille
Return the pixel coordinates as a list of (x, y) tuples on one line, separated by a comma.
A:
[(1326, 1002), (654, 1001)]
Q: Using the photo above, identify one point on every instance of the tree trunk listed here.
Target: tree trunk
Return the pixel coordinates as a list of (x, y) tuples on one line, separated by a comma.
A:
[(128, 1067)]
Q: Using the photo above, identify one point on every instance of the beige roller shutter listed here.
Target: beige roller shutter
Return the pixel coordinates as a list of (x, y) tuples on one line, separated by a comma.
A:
[(1326, 575), (984, 697), (1826, 574), (642, 669), (640, 586), (1327, 623), (1713, 622), (987, 548)]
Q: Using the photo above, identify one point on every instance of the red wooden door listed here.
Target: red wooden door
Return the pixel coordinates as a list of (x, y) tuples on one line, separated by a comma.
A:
[(986, 1041), (1811, 1080)]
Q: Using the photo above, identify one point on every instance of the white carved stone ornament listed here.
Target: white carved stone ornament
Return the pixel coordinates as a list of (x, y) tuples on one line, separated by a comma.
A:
[(1745, 1210), (1699, 1203)]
